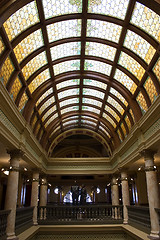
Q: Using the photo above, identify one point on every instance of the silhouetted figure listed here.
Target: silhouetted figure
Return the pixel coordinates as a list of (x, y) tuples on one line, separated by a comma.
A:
[(83, 195), (75, 194)]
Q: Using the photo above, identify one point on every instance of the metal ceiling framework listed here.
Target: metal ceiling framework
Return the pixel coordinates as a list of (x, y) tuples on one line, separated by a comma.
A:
[(106, 81)]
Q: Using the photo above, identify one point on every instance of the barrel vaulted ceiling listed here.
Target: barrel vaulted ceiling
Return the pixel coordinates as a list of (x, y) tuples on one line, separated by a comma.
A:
[(74, 65)]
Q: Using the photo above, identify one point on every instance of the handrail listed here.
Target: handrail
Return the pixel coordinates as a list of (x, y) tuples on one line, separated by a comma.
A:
[(3, 223), (67, 214)]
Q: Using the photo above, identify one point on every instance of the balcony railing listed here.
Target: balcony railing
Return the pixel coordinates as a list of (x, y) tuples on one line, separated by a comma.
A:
[(24, 219), (69, 214), (3, 223), (139, 217)]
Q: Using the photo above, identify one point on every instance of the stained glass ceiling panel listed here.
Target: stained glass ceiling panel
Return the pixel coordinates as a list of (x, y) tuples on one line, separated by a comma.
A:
[(67, 83), (106, 117), (91, 109), (2, 47), (92, 101), (21, 20), (104, 131), (97, 66), (65, 50), (92, 92), (6, 71), (104, 51), (115, 104), (105, 30), (64, 29), (131, 65), (69, 101), (112, 112), (44, 95), (67, 93), (54, 8), (47, 103), (66, 66), (146, 19), (34, 65), (51, 119), (89, 118), (156, 69), (28, 45), (116, 8), (42, 77), (69, 109), (70, 122), (125, 80), (94, 83), (139, 45), (88, 122), (49, 112), (119, 96)]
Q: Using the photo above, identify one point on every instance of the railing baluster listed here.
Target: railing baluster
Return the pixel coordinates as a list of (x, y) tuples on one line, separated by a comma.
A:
[(71, 213)]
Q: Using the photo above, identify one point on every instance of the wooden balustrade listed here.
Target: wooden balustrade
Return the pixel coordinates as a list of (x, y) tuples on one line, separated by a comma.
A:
[(24, 219), (139, 217), (67, 214), (3, 223)]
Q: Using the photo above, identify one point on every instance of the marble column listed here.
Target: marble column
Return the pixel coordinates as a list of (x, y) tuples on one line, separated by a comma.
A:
[(34, 195), (115, 191), (12, 192), (125, 195), (153, 193), (43, 192), (115, 196), (43, 197)]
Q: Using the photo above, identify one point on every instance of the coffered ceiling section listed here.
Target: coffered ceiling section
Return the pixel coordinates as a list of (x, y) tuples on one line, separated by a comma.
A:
[(71, 64)]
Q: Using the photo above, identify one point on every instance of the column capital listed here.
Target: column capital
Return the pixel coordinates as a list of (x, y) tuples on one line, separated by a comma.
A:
[(15, 153), (148, 153), (114, 181)]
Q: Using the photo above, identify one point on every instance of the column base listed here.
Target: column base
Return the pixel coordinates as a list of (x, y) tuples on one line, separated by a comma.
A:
[(12, 238), (154, 236)]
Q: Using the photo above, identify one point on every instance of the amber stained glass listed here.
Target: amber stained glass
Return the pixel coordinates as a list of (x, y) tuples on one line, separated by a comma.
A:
[(112, 112), (15, 88), (6, 71), (109, 119), (131, 65), (139, 45), (119, 96), (123, 129), (116, 105), (157, 69), (128, 122), (142, 102), (37, 81), (2, 47), (28, 45), (34, 65), (21, 20), (146, 19), (151, 90), (125, 81), (23, 101)]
